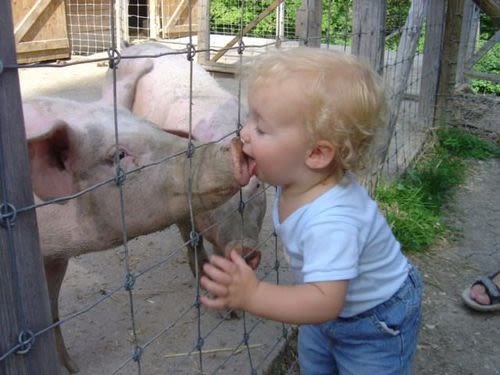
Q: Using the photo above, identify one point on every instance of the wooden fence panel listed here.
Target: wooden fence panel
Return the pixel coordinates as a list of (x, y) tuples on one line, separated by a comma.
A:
[(24, 302), (40, 30)]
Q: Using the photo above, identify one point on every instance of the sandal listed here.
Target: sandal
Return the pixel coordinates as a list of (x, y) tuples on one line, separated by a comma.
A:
[(491, 289)]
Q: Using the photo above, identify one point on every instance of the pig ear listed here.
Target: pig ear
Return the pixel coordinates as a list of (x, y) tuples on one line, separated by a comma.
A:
[(126, 82), (49, 148)]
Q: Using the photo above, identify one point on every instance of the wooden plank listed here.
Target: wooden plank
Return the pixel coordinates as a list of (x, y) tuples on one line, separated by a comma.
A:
[(154, 20), (40, 20), (482, 75), (24, 300), (203, 31), (448, 68), (42, 45), (491, 8), (221, 67), (483, 50), (431, 61), (467, 38), (404, 60), (368, 31), (247, 29), (174, 18), (28, 21), (308, 23)]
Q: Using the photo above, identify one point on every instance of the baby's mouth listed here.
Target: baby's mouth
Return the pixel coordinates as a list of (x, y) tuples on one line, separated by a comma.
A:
[(252, 165)]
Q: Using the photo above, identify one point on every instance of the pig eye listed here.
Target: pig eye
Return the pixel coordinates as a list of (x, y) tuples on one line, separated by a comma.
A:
[(116, 156), (121, 154)]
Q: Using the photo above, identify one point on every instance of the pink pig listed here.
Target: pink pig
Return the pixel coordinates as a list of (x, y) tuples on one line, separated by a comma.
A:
[(72, 147), (157, 88)]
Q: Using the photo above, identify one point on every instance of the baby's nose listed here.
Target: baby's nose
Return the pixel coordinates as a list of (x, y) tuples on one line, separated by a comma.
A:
[(245, 138)]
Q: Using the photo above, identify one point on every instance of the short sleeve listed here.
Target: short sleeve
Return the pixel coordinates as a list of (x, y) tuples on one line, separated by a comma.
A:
[(331, 250)]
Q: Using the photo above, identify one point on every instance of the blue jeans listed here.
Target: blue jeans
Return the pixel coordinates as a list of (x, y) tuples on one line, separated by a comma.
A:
[(380, 341)]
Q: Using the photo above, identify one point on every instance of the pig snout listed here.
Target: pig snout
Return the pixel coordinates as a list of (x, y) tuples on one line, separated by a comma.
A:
[(241, 164), (250, 254)]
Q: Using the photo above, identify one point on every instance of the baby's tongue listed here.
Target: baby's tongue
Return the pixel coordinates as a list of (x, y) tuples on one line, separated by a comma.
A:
[(252, 165)]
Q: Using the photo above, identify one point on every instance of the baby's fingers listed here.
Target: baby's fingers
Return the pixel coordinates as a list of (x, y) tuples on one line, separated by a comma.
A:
[(222, 263), (213, 287), (217, 303), (216, 274)]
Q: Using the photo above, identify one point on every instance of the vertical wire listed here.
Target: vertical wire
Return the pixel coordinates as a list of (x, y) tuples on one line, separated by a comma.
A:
[(194, 235), (129, 277), (246, 335)]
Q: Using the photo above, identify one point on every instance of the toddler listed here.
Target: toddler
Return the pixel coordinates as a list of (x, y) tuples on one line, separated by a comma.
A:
[(312, 116)]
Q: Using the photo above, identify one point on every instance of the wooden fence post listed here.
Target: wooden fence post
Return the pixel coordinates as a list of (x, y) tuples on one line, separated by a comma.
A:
[(24, 301), (448, 66), (468, 39), (308, 23), (368, 31), (436, 13), (203, 31)]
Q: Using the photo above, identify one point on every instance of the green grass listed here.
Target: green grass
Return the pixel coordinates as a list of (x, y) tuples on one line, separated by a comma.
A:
[(413, 203)]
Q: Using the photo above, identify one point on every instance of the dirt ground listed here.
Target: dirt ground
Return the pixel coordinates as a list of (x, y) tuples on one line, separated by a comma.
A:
[(454, 339), (99, 330)]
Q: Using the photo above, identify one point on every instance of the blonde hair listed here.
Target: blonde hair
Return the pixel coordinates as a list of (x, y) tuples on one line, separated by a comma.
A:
[(345, 98)]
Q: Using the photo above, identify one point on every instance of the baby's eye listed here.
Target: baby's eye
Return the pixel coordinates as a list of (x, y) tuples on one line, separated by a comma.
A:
[(259, 131)]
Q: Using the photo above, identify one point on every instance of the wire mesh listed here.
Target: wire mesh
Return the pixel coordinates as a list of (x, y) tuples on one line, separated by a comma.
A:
[(124, 319)]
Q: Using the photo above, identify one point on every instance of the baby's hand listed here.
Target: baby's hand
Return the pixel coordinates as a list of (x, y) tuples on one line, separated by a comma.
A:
[(232, 282)]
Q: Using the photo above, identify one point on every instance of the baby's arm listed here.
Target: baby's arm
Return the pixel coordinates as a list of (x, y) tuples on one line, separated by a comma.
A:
[(235, 286)]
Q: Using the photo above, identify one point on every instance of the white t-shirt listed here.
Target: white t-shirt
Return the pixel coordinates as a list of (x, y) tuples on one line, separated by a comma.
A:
[(342, 235)]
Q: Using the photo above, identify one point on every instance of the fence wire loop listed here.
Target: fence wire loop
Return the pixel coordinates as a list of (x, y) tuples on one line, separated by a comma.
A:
[(190, 150), (200, 343), (197, 302), (194, 238), (120, 176), (191, 51), (241, 207), (241, 47), (114, 58), (138, 351), (276, 265), (26, 340), (8, 214), (129, 281)]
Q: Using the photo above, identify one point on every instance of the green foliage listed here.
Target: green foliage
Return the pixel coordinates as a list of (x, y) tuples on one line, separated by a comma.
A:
[(412, 203), (414, 222), (395, 19), (487, 26), (336, 25), (226, 16), (489, 63), (461, 144)]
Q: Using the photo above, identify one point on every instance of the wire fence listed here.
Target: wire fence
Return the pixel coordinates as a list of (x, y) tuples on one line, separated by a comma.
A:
[(142, 314)]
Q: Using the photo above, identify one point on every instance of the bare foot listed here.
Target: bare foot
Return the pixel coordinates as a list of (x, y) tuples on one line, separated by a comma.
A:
[(478, 291)]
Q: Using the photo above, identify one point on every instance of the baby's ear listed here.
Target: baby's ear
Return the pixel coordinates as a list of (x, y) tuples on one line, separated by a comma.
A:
[(320, 155)]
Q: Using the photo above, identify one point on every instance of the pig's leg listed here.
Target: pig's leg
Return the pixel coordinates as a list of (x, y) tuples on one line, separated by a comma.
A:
[(54, 272), (185, 230)]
